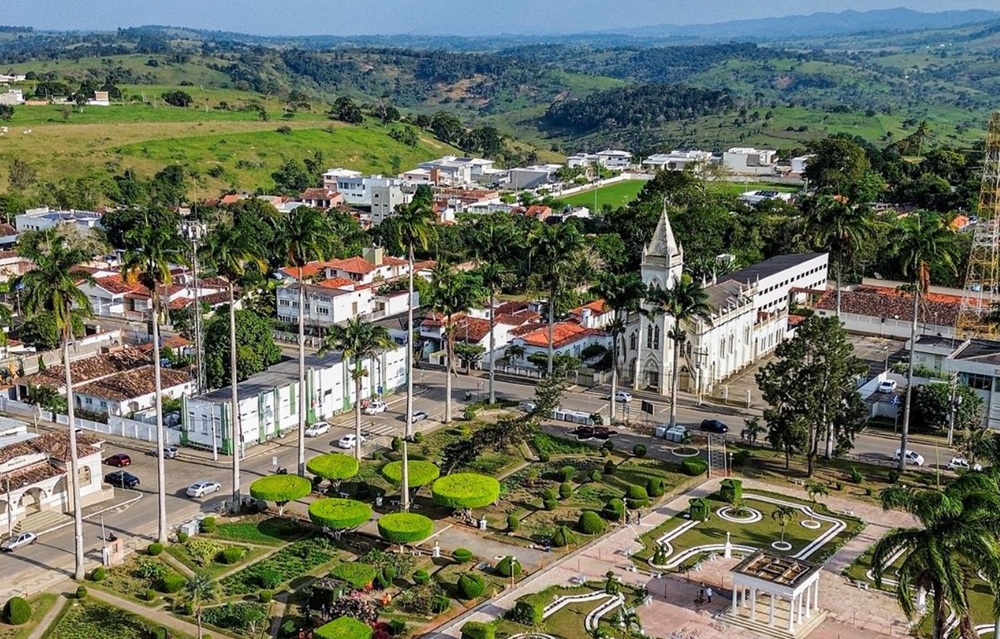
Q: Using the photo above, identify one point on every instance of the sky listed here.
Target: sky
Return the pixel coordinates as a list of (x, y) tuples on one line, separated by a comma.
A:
[(425, 17)]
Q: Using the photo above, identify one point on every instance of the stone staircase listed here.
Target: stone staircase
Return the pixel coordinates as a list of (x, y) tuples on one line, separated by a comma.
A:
[(778, 631), (42, 521)]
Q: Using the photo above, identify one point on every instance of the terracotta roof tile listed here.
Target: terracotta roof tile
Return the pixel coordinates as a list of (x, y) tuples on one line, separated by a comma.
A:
[(336, 282), (878, 301), (598, 307), (133, 383), (54, 444), (91, 368), (352, 265), (563, 333)]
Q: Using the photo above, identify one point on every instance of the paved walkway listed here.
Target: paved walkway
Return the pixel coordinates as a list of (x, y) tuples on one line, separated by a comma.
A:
[(158, 616), (50, 616)]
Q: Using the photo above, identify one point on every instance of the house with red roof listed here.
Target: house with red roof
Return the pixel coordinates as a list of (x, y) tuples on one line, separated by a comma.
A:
[(596, 314), (568, 338)]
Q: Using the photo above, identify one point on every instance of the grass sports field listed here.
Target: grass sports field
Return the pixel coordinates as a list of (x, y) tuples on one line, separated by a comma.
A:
[(614, 195)]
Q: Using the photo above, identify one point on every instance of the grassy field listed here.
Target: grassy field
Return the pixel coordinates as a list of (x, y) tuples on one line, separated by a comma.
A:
[(613, 195)]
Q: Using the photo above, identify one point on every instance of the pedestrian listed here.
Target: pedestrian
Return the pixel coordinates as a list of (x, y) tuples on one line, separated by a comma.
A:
[(638, 517), (701, 593), (708, 594), (628, 518)]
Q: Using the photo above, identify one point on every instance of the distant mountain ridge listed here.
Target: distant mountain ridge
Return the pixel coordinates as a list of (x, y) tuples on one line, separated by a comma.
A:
[(816, 24)]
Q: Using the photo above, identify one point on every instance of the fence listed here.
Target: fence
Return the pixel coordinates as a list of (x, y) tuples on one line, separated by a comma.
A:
[(120, 426)]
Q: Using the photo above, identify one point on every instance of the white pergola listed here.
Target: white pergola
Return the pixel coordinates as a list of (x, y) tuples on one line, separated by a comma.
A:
[(782, 580)]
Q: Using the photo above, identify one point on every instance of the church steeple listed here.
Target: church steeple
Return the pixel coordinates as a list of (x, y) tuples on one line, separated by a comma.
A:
[(663, 249)]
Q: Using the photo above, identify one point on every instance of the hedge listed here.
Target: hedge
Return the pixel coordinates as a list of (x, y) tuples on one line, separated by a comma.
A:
[(462, 555), (694, 467), (550, 504), (17, 611), (563, 537), (420, 577), (339, 514), (172, 583), (405, 528), (355, 574), (590, 523), (333, 466), (280, 488), (654, 487), (614, 510), (565, 490), (637, 496), (528, 612), (232, 555), (420, 472), (344, 628), (465, 490), (513, 522), (508, 567), (208, 525), (471, 586), (478, 630)]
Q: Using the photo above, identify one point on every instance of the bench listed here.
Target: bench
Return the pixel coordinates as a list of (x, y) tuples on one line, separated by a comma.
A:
[(863, 585)]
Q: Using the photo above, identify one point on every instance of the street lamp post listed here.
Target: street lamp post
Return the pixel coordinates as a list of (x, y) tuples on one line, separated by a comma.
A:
[(886, 348), (10, 510)]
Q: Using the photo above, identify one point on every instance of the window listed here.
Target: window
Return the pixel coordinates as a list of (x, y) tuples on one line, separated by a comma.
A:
[(633, 341), (323, 310), (977, 381)]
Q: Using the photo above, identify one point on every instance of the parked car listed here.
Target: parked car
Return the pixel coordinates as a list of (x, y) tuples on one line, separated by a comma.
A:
[(317, 429), (714, 426), (121, 460), (169, 452), (962, 463), (887, 386), (418, 416), (121, 479), (349, 441), (203, 487), (376, 407), (622, 397), (584, 432), (603, 432), (911, 457), (18, 541)]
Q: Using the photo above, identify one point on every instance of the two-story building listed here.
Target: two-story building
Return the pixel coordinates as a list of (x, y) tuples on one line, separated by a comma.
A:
[(610, 159), (750, 161), (43, 218), (676, 160)]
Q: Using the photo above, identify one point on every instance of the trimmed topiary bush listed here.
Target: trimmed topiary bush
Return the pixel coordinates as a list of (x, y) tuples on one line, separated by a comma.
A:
[(421, 472), (731, 491), (421, 577), (396, 444), (614, 510), (208, 525), (280, 489), (154, 549), (637, 496), (182, 537), (471, 586), (81, 592), (565, 490), (595, 475), (333, 466), (566, 473), (172, 583), (418, 437), (17, 611), (478, 630), (608, 446), (151, 595), (549, 493), (543, 457), (355, 574), (563, 537), (405, 528), (231, 555), (462, 555), (513, 523), (609, 467), (465, 491), (654, 487), (339, 514), (639, 450), (265, 596), (508, 567), (694, 467), (590, 523), (550, 504), (99, 573), (344, 628), (528, 612)]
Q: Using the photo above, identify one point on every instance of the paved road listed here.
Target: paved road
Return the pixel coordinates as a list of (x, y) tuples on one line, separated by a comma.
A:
[(53, 552)]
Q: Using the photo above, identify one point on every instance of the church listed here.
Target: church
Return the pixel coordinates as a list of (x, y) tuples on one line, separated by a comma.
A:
[(749, 317)]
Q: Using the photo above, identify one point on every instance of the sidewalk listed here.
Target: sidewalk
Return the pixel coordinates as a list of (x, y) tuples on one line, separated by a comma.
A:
[(155, 615)]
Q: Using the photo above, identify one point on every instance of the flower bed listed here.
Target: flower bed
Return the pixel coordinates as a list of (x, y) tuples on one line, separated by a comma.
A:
[(90, 619), (295, 560), (137, 576), (204, 555)]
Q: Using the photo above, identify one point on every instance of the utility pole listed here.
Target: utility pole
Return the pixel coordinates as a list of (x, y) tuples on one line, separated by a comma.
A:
[(953, 403), (194, 231)]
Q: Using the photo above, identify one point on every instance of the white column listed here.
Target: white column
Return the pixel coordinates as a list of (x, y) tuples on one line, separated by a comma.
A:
[(809, 599), (770, 617), (753, 605), (802, 604), (791, 614), (816, 594), (736, 610)]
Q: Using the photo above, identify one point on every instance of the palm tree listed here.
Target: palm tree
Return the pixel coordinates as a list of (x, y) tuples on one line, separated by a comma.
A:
[(302, 236), (514, 352), (357, 340), (783, 515), (51, 287), (685, 302), (452, 293), (198, 590), (556, 250), (921, 240), (623, 294), (152, 249), (231, 254), (956, 541), (833, 225)]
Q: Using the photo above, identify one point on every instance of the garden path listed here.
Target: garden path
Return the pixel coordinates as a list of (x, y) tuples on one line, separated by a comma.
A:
[(158, 616), (50, 616)]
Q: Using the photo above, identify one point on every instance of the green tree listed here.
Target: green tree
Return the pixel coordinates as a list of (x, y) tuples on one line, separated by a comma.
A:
[(838, 163), (811, 393), (198, 591), (303, 235), (623, 293), (6, 112), (21, 175), (151, 251), (452, 293), (920, 241), (51, 287), (358, 341), (255, 351), (784, 516), (836, 227), (556, 251), (291, 178), (932, 406)]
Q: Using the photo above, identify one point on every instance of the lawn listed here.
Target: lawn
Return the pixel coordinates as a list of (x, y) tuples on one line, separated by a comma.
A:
[(90, 619), (266, 531), (613, 195), (137, 576), (40, 606), (205, 556)]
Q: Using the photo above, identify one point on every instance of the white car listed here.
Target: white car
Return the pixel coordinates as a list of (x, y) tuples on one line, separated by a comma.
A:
[(963, 463), (203, 487), (18, 541), (376, 407), (911, 457), (621, 397), (418, 416), (349, 441), (317, 429), (887, 386)]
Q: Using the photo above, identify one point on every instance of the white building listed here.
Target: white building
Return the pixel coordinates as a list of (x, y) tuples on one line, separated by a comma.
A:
[(775, 278), (269, 401), (609, 159), (763, 195), (385, 195), (532, 177), (44, 218), (568, 338), (750, 161), (131, 391), (800, 163), (12, 97), (676, 160), (973, 362), (452, 170), (350, 184)]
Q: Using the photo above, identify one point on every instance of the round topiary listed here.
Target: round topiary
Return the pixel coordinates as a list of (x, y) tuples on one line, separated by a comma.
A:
[(595, 475), (654, 487), (419, 472), (478, 630), (280, 489), (614, 510), (182, 537), (396, 444), (265, 596), (208, 525), (508, 567), (405, 528), (332, 466), (151, 595), (471, 586), (609, 467), (465, 490), (462, 555), (565, 490), (550, 504), (694, 467), (563, 537), (418, 437), (339, 514), (543, 457), (420, 577), (99, 573), (637, 496), (231, 555), (590, 523), (355, 574), (549, 493), (172, 583), (154, 549), (639, 450), (344, 628), (513, 522), (81, 592), (17, 611), (566, 473), (608, 446)]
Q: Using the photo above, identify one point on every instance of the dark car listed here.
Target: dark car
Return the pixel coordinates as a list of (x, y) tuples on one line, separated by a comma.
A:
[(714, 426), (603, 432), (121, 460), (584, 432), (121, 479)]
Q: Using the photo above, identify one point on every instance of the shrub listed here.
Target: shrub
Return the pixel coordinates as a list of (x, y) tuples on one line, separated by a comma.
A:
[(265, 595), (396, 627), (418, 437), (528, 612), (893, 476), (269, 578), (151, 595), (563, 537), (99, 573), (614, 510), (637, 496), (840, 485), (609, 467), (731, 490), (513, 523), (81, 592), (231, 555), (420, 473), (421, 577), (344, 628), (208, 525), (405, 528), (172, 583), (550, 504), (608, 446), (154, 549), (654, 487), (566, 473), (339, 514), (694, 467), (182, 537), (595, 475), (355, 574), (462, 555), (605, 452), (740, 457), (565, 490), (639, 450), (464, 430), (160, 633), (465, 490), (17, 611), (397, 444), (543, 457), (549, 494), (478, 630), (590, 523), (509, 567), (856, 475), (471, 586)]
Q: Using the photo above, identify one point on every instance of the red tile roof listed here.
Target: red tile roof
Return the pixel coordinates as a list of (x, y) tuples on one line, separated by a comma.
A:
[(352, 265), (84, 370), (563, 333), (312, 269), (598, 307), (116, 285), (133, 383), (337, 282), (879, 301), (54, 444)]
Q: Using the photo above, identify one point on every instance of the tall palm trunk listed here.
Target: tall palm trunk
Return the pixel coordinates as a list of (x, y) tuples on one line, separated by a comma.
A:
[(408, 421), (74, 460), (358, 373), (840, 269), (493, 348), (302, 376), (552, 316), (161, 482), (909, 380), (450, 354), (675, 379), (614, 376), (235, 417)]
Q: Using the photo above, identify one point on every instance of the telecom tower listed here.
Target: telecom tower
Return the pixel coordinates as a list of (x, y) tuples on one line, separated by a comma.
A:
[(982, 281)]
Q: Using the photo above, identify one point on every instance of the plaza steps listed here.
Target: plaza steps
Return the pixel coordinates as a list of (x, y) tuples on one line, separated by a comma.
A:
[(778, 630), (42, 522)]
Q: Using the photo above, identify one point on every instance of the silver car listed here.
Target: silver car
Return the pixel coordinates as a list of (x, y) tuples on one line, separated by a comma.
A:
[(169, 452), (17, 541), (203, 487)]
